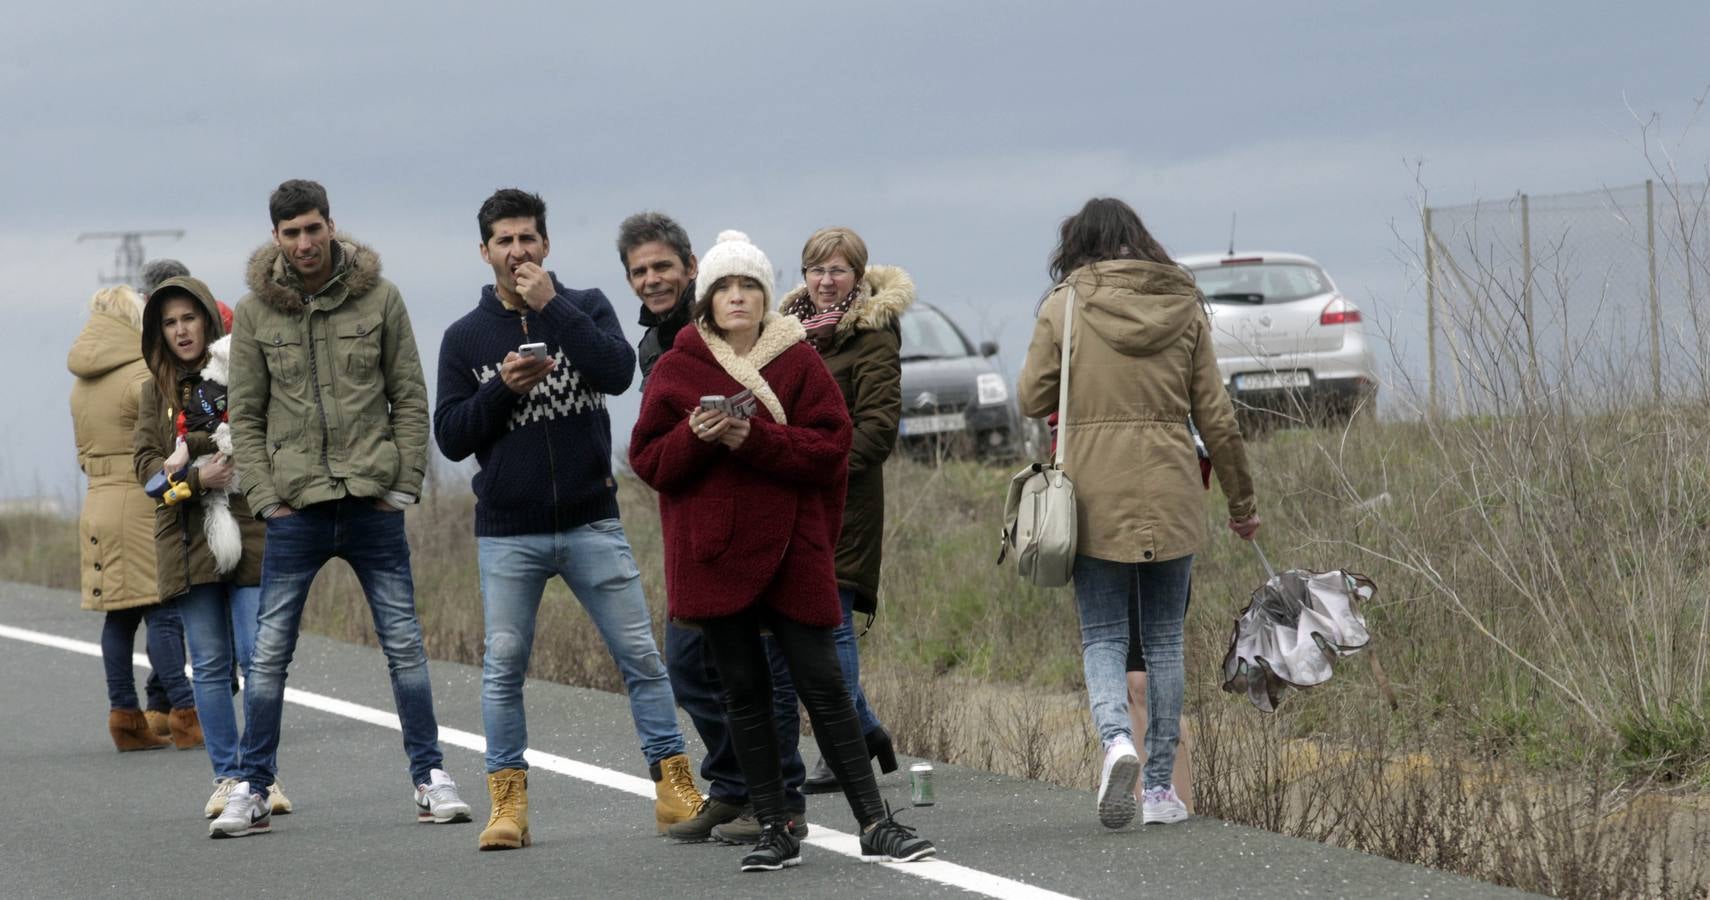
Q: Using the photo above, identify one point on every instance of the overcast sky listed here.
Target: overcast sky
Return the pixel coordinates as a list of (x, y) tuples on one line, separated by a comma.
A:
[(954, 136)]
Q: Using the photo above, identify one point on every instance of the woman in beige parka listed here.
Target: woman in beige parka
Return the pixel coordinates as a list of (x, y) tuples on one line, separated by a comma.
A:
[(1140, 365), (116, 527)]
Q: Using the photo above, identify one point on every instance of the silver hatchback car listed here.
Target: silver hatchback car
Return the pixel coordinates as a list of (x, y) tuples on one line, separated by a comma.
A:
[(1288, 342)]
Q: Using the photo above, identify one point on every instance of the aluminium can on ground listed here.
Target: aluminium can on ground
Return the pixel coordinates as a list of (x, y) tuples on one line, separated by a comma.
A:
[(920, 784)]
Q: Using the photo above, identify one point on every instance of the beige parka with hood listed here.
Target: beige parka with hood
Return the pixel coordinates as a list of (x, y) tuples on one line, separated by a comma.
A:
[(1141, 362), (116, 529)]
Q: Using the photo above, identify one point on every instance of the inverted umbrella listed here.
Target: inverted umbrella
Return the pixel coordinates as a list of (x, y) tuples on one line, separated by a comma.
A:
[(1296, 625)]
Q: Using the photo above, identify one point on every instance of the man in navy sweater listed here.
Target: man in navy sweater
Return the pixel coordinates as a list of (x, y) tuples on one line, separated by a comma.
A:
[(546, 501)]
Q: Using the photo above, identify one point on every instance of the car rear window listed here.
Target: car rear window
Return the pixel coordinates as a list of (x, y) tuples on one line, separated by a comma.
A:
[(926, 334), (1261, 282)]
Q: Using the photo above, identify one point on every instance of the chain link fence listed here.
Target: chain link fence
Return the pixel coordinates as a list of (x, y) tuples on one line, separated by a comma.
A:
[(1581, 299)]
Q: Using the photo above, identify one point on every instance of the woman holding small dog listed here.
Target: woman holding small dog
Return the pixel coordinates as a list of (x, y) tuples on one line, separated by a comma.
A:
[(207, 545)]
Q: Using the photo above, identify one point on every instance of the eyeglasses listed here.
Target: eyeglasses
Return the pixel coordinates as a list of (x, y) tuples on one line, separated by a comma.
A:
[(818, 272)]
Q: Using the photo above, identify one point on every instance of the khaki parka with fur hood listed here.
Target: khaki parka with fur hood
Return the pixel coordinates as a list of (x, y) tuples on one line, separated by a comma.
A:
[(182, 556), (327, 397), (1141, 361), (116, 529), (865, 359)]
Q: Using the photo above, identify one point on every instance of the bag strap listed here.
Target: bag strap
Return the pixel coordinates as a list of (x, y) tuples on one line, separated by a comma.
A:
[(1063, 378)]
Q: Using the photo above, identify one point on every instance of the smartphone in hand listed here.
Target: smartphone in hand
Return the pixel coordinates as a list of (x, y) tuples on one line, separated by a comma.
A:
[(716, 402), (532, 351)]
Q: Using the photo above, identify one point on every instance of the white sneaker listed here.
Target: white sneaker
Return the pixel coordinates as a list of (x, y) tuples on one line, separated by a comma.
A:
[(1116, 785), (277, 801), (437, 801), (217, 801), (1162, 806), (245, 814)]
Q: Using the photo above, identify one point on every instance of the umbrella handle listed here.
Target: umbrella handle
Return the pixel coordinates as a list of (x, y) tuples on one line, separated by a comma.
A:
[(1269, 572)]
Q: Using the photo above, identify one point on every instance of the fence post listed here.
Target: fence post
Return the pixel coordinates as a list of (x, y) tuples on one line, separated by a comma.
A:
[(1656, 310), (1526, 291), (1430, 318)]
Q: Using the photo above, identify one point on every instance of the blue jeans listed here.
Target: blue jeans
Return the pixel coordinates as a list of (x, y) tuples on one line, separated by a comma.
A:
[(784, 691), (696, 685), (220, 621), (1106, 594), (165, 641), (372, 540), (595, 561)]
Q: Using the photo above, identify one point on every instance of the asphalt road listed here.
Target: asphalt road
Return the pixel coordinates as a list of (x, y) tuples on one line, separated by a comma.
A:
[(84, 821)]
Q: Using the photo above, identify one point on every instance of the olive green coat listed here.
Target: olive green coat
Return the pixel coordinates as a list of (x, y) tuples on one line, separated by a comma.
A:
[(182, 556), (1141, 362), (865, 359), (327, 397), (116, 528)]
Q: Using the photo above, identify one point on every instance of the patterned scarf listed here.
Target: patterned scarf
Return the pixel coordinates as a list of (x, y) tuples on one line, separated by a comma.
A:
[(821, 326)]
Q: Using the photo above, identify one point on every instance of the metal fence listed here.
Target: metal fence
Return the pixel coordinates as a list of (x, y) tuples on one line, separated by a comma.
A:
[(1568, 297)]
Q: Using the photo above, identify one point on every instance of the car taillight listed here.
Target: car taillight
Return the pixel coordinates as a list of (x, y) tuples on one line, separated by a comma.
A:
[(1339, 312)]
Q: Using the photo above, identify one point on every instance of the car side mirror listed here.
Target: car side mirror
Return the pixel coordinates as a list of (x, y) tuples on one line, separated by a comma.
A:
[(988, 348)]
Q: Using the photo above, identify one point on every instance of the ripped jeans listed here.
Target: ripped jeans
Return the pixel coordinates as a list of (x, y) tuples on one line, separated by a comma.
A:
[(595, 561)]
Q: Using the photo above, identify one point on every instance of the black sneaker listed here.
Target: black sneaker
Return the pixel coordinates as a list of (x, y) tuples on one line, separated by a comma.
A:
[(744, 830), (777, 849), (711, 814), (891, 841)]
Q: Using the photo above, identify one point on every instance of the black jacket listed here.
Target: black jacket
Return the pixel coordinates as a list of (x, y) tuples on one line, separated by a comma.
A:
[(662, 331)]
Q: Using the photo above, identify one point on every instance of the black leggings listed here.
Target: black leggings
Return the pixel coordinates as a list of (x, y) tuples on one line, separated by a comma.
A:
[(811, 655)]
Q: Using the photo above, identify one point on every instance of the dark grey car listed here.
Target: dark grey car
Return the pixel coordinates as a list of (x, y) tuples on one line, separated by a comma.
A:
[(954, 399)]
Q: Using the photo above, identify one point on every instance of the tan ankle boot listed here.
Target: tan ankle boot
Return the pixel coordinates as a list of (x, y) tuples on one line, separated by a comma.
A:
[(130, 731), (507, 825), (186, 728), (157, 722), (674, 787)]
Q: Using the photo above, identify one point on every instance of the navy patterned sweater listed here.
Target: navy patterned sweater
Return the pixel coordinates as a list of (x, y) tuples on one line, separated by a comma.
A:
[(546, 458)]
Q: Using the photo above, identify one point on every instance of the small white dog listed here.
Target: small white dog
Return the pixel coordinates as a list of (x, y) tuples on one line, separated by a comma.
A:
[(225, 539)]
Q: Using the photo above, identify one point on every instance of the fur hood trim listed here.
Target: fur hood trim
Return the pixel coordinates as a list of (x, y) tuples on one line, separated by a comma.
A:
[(885, 292), (270, 282), (778, 333)]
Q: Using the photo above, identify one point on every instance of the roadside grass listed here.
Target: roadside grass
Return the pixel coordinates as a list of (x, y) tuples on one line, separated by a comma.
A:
[(1540, 613)]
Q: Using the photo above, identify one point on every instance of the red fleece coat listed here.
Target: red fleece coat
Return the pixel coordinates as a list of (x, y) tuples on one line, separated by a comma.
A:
[(758, 524)]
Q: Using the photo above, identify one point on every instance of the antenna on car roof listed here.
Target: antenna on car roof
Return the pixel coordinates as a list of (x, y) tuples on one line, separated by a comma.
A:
[(1231, 234)]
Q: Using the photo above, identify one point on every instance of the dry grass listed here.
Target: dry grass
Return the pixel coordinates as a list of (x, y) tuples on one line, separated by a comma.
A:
[(1547, 737)]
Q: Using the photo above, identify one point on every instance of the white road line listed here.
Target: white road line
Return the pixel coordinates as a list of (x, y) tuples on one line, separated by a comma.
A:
[(937, 870)]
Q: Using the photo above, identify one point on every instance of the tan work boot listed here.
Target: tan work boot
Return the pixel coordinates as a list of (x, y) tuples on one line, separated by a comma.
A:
[(674, 786), (507, 825), (157, 722), (186, 728), (130, 731)]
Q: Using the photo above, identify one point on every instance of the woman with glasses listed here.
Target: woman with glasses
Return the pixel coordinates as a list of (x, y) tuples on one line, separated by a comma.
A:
[(851, 312), (1140, 364)]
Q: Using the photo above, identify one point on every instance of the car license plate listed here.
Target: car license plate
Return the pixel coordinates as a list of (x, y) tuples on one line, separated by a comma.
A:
[(917, 425), (1270, 381)]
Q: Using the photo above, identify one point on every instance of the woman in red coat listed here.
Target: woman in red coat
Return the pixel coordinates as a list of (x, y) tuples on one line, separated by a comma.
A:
[(751, 506)]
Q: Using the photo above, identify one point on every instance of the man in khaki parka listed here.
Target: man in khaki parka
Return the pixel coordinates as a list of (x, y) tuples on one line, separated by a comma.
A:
[(330, 428)]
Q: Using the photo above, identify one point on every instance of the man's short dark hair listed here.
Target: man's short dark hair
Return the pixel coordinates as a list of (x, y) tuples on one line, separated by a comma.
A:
[(157, 270), (511, 203), (297, 197), (644, 227)]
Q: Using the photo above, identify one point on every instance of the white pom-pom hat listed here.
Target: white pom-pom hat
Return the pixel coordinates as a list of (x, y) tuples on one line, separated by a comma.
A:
[(734, 254)]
